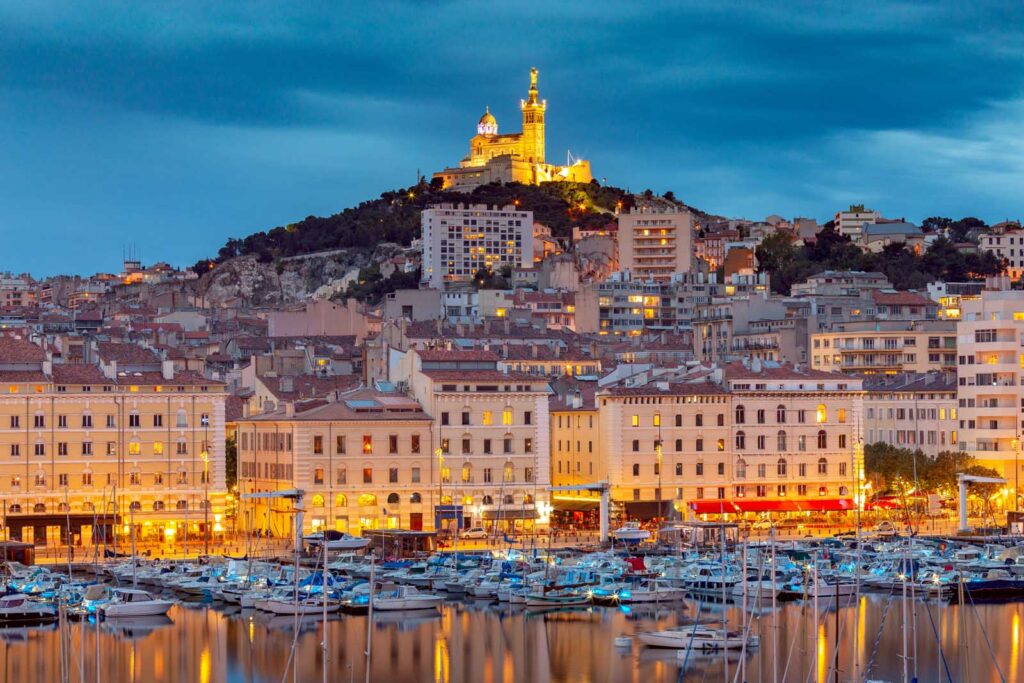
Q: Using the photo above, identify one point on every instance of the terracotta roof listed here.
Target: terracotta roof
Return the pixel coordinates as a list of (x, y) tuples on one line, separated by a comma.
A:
[(185, 378), (131, 354), (901, 299), (480, 375), (233, 408), (78, 373), (457, 355), (674, 389), (18, 376), (524, 352), (15, 350), (739, 371), (309, 386)]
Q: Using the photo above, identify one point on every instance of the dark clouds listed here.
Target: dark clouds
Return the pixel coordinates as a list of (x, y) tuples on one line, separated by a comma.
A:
[(174, 127)]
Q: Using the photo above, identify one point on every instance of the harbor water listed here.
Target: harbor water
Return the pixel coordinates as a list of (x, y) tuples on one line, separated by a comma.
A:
[(479, 642)]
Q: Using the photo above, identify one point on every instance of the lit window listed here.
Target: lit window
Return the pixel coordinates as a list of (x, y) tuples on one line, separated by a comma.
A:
[(821, 415), (657, 419), (636, 421), (487, 418), (506, 416)]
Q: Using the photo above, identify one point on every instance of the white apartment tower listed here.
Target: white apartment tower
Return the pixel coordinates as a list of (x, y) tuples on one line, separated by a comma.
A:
[(459, 240), (990, 348), (656, 242)]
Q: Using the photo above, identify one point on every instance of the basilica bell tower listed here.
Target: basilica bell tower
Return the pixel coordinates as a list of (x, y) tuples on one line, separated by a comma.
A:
[(533, 123)]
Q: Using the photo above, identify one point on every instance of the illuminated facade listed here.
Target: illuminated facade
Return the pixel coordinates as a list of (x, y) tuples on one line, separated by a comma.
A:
[(768, 438), (512, 157), (100, 447), (656, 242)]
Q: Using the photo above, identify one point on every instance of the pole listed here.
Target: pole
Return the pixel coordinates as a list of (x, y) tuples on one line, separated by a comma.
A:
[(775, 613), (206, 503), (369, 620)]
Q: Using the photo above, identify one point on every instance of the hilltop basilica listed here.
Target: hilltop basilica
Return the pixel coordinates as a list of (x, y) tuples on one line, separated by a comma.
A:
[(512, 157)]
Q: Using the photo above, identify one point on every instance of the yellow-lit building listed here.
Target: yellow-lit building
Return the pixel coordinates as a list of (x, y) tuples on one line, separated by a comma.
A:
[(96, 447), (512, 157)]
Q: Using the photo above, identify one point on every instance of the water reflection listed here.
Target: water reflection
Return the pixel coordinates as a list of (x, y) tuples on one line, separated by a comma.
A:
[(471, 642)]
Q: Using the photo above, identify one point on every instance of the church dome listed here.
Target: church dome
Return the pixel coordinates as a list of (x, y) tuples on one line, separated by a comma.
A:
[(488, 125)]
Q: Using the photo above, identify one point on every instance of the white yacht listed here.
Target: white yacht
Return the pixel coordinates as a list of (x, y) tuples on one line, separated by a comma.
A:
[(129, 602), (630, 532)]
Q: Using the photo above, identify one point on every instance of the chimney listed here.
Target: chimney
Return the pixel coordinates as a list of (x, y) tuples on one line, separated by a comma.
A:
[(289, 409), (287, 384), (504, 349), (167, 369), (460, 330), (487, 326), (557, 349), (533, 350), (508, 326), (439, 326), (245, 409), (755, 365)]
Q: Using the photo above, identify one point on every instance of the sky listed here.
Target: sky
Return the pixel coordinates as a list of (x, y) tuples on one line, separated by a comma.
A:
[(169, 127)]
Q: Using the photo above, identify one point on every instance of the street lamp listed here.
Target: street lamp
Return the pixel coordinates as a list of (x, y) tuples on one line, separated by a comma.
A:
[(1016, 475), (206, 501)]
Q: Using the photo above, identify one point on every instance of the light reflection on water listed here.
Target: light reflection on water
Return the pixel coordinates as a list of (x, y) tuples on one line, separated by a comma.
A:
[(471, 642)]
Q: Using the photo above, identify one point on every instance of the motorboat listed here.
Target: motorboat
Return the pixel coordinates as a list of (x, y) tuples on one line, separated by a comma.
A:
[(396, 598), (131, 602), (19, 609), (698, 637), (557, 599), (630, 532), (336, 540)]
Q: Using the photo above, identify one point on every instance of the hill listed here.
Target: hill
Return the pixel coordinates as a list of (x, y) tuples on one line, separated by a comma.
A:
[(395, 217)]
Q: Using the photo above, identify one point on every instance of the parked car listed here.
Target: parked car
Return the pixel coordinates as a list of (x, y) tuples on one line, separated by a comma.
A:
[(761, 525), (474, 533)]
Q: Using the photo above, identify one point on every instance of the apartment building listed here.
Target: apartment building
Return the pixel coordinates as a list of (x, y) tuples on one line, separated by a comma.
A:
[(363, 459), (751, 438), (911, 410), (886, 347), (990, 354), (655, 242), (460, 239), (852, 221), (100, 447), (1006, 245), (575, 447), (492, 430)]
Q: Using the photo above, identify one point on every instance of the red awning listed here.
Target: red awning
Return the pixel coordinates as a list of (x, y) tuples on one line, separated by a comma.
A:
[(882, 504), (732, 507)]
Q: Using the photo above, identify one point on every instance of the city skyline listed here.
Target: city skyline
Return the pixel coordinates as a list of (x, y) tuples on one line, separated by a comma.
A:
[(176, 131)]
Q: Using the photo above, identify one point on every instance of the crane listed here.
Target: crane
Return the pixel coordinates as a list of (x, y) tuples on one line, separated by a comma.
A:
[(294, 495)]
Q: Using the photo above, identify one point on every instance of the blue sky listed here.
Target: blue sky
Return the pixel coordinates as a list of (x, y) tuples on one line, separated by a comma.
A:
[(175, 126)]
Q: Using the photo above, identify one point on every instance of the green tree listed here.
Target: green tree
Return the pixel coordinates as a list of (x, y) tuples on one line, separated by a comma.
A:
[(231, 462)]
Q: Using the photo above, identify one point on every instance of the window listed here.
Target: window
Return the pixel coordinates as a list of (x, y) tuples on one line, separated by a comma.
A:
[(444, 418), (392, 475), (741, 469), (40, 421), (741, 414), (318, 445), (204, 420), (467, 445), (699, 470), (679, 445), (158, 420), (842, 440), (40, 449), (339, 445), (656, 420), (780, 441), (780, 414), (679, 469), (487, 446), (821, 414), (721, 444), (721, 419), (841, 413), (15, 450), (721, 469), (16, 422), (635, 420), (527, 417), (679, 420), (762, 470), (135, 479), (341, 476), (699, 420), (87, 448), (465, 417), (822, 466), (741, 441), (86, 478), (62, 421), (182, 448), (111, 448), (415, 446), (780, 467), (182, 418), (367, 444), (760, 416), (822, 439), (528, 445), (415, 478), (318, 475), (486, 418), (62, 448), (636, 469), (62, 480), (761, 442), (636, 445), (392, 443), (699, 445), (367, 475)]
